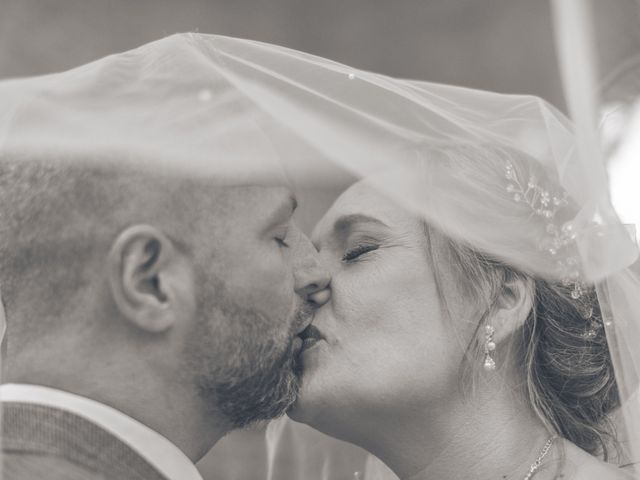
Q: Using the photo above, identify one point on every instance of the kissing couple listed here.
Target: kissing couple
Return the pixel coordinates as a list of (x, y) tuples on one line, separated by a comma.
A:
[(158, 293)]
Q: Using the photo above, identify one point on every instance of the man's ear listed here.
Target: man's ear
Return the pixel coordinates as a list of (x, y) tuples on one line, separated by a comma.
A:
[(513, 305), (151, 281)]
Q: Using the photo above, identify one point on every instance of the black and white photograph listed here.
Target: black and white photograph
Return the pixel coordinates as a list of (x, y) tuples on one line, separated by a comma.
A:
[(331, 240)]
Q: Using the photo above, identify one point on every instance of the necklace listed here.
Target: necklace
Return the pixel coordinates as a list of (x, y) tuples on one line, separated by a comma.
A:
[(532, 469), (536, 465)]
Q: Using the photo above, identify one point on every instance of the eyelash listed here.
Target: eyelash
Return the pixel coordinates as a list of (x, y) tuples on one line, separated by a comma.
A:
[(280, 238), (281, 242), (358, 251)]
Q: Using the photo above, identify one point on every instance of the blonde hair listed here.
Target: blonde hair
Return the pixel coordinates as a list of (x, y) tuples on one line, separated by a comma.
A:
[(569, 378)]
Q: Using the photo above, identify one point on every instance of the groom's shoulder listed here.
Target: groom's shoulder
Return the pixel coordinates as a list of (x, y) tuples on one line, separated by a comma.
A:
[(27, 466), (38, 438)]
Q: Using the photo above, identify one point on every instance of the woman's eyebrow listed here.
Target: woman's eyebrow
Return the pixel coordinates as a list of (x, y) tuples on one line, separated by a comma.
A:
[(346, 222)]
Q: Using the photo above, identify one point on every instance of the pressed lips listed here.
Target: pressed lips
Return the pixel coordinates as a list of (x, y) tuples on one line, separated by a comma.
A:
[(310, 336)]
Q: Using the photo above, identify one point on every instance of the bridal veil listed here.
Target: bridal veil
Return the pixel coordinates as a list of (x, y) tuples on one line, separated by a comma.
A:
[(242, 110)]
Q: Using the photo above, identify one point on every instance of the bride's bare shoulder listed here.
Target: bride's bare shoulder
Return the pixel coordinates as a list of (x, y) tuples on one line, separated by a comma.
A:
[(601, 471), (580, 465)]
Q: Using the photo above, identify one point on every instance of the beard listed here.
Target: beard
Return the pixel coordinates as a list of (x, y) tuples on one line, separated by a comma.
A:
[(244, 361)]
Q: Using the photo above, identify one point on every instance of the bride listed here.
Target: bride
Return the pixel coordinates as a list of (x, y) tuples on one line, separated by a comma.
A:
[(443, 360), (483, 319)]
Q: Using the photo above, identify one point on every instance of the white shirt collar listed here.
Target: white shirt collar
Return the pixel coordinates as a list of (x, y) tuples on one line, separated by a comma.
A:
[(156, 449)]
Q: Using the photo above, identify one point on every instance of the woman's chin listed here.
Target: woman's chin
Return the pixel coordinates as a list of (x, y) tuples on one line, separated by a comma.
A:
[(314, 361), (311, 355), (302, 410)]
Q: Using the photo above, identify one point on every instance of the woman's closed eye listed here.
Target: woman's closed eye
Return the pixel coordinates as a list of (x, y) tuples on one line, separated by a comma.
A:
[(354, 253)]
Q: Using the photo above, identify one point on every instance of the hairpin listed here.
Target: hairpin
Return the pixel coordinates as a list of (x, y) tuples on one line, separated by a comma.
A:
[(545, 205)]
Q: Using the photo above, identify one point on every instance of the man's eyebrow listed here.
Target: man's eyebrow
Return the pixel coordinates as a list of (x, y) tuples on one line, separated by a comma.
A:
[(344, 223)]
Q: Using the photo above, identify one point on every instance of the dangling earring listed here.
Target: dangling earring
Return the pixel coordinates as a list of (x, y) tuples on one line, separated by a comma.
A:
[(489, 346)]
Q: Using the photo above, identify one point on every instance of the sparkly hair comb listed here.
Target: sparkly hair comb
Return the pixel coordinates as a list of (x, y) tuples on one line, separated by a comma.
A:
[(558, 237)]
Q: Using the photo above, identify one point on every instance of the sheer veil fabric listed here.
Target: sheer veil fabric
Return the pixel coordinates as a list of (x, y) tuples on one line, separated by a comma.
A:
[(241, 110)]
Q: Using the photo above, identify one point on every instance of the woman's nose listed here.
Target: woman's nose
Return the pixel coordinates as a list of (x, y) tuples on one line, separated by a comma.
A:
[(320, 297)]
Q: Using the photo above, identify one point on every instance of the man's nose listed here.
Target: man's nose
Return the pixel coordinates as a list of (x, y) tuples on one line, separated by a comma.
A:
[(311, 278)]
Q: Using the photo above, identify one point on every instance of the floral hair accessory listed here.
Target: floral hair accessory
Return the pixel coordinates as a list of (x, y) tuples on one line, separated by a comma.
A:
[(557, 238)]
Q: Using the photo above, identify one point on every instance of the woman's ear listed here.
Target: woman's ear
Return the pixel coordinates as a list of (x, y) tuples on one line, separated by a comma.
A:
[(151, 281), (513, 305)]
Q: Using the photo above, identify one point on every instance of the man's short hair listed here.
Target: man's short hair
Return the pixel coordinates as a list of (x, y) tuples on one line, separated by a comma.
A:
[(59, 218)]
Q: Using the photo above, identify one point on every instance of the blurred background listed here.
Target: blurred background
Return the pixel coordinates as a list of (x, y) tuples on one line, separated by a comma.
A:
[(503, 45), (499, 45)]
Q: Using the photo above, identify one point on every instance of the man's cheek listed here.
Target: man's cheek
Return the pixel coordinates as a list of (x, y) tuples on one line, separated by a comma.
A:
[(276, 271)]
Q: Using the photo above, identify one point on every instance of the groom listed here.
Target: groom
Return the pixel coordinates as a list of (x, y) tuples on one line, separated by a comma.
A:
[(149, 310)]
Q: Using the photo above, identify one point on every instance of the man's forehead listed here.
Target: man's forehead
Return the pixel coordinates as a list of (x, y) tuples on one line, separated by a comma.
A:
[(258, 200), (266, 192)]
